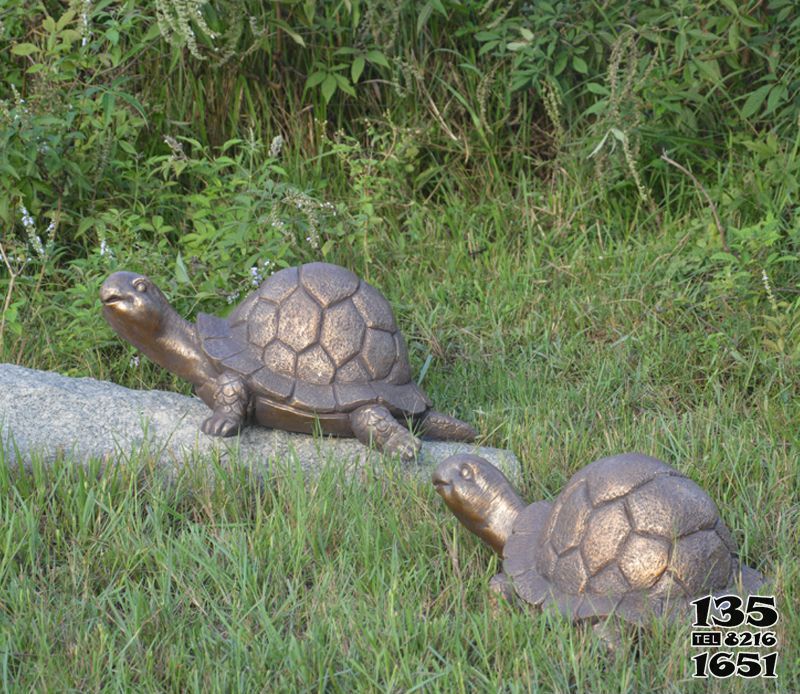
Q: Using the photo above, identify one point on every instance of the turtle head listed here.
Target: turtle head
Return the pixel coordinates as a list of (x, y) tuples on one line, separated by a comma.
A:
[(134, 307), (480, 496)]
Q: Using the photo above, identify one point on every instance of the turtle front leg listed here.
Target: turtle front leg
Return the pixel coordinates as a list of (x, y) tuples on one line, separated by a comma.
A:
[(230, 396), (374, 424)]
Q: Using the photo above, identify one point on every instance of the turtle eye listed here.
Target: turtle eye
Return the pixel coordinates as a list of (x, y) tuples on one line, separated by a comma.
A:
[(140, 285), (466, 472)]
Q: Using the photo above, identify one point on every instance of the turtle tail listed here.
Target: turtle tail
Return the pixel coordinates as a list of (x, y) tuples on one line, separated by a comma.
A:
[(437, 425)]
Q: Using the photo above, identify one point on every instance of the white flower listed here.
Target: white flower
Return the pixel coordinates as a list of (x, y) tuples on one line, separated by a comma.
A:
[(256, 278), (105, 250), (275, 146), (30, 230)]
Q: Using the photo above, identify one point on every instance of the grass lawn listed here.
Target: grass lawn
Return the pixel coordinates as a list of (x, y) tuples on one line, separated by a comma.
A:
[(562, 343)]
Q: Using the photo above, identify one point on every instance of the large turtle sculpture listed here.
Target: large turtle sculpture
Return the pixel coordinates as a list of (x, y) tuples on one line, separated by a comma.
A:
[(628, 535), (313, 346)]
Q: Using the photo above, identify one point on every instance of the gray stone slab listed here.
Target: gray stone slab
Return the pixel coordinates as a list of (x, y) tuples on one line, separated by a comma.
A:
[(46, 415)]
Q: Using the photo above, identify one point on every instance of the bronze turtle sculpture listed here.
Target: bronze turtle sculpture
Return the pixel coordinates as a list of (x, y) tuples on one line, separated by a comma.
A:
[(313, 346), (628, 535)]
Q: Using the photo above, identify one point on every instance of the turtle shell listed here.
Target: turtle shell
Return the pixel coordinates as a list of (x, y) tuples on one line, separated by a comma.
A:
[(628, 534), (316, 338)]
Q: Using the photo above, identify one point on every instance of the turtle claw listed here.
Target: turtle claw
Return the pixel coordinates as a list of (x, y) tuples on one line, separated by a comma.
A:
[(375, 425), (405, 445), (220, 424)]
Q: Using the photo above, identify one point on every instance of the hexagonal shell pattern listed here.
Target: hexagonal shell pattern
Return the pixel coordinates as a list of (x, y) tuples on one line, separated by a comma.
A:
[(671, 506), (643, 560), (299, 320), (378, 353), (571, 513), (280, 359), (374, 308), (328, 284), (616, 566), (262, 324), (342, 332), (701, 562), (279, 285), (315, 366), (353, 371), (606, 531)]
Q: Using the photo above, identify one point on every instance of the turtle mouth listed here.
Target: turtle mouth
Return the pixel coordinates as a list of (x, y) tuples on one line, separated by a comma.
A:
[(441, 484), (110, 297)]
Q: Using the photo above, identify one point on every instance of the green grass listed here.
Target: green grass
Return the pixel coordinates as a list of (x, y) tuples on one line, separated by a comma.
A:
[(570, 306), (564, 347), (119, 582)]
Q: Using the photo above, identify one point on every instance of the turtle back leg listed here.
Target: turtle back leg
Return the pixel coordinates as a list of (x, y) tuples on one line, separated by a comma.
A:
[(437, 425), (230, 396), (374, 424), (500, 586)]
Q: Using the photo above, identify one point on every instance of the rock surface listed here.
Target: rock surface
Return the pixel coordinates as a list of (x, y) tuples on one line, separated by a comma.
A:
[(46, 414)]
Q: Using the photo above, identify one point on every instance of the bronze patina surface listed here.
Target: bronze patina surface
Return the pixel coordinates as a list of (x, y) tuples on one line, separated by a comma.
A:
[(313, 346), (628, 535)]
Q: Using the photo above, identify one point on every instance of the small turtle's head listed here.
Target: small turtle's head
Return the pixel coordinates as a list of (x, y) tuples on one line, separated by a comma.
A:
[(134, 307), (480, 496)]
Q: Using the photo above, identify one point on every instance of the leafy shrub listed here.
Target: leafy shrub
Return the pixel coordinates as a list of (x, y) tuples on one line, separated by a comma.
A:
[(142, 129)]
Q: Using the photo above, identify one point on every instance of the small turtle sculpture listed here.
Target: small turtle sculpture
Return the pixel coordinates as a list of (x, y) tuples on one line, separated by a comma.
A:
[(313, 344), (628, 535)]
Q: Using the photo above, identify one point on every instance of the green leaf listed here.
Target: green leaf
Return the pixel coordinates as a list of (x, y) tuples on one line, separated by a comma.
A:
[(755, 100), (70, 35), (230, 143), (24, 49), (315, 78), (596, 108), (329, 85), (560, 64), (598, 146), (596, 88), (108, 106), (344, 85), (776, 96), (424, 14), (49, 25), (133, 102), (377, 58), (126, 146), (733, 36), (181, 275), (310, 9), (85, 224), (291, 32), (680, 46), (357, 68), (579, 65), (65, 19), (519, 81), (709, 68), (152, 33)]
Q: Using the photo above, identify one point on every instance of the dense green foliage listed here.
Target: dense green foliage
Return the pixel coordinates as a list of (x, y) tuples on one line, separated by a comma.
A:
[(499, 170), (217, 136)]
